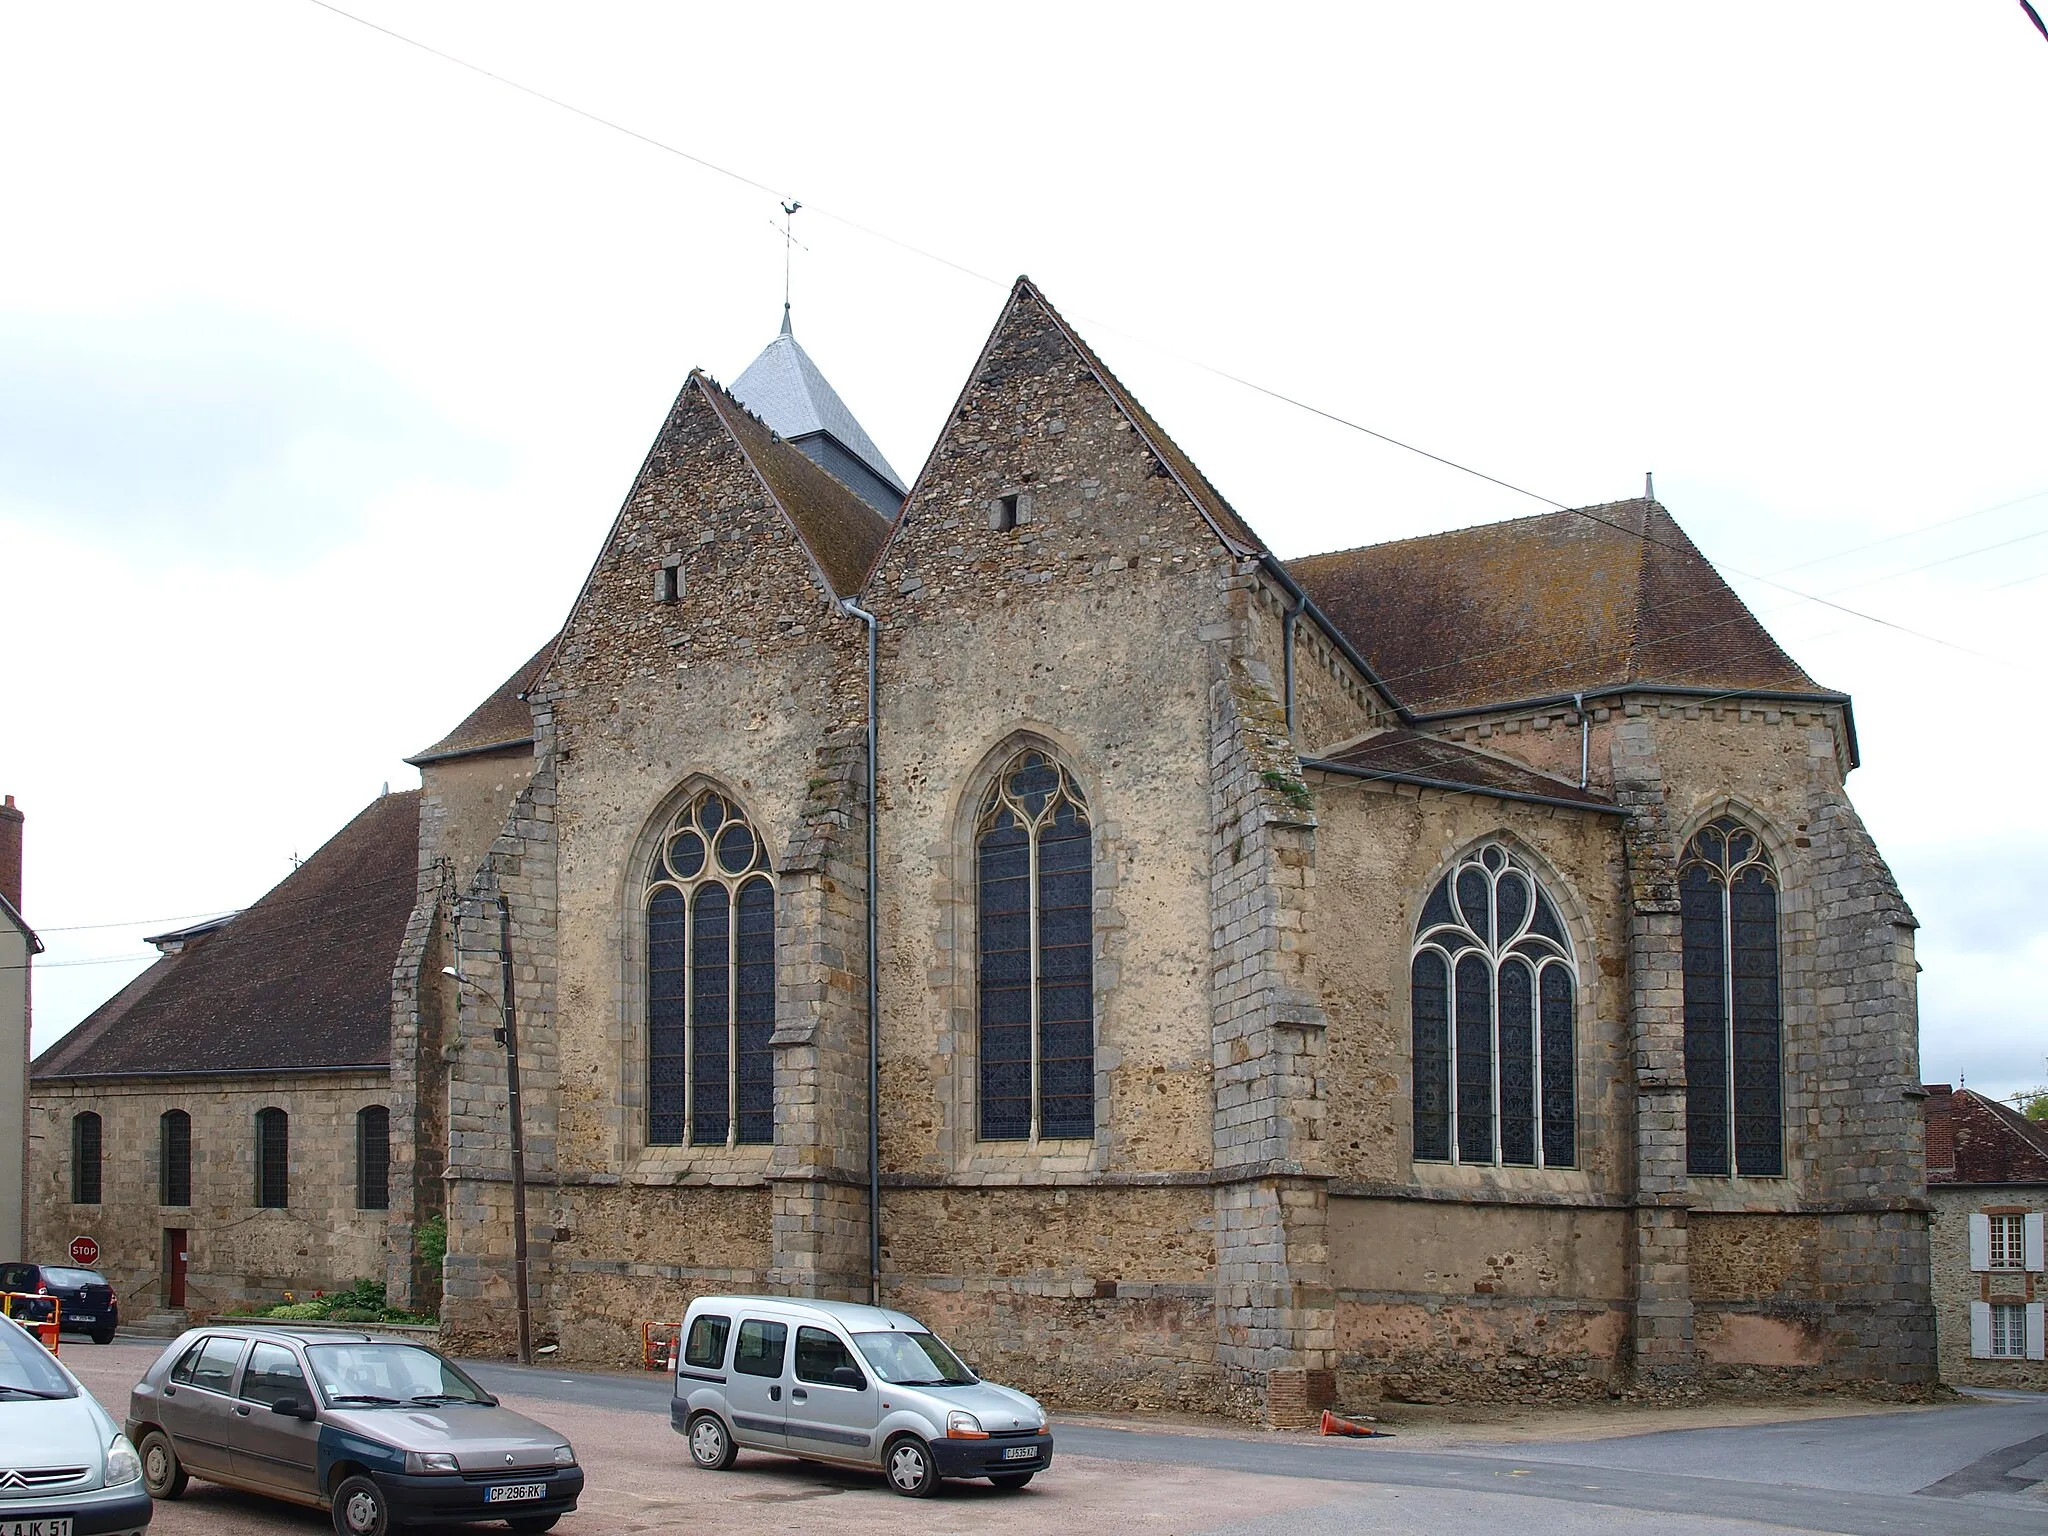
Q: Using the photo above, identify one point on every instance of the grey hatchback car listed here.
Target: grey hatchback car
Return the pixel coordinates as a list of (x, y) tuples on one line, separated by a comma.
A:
[(381, 1432)]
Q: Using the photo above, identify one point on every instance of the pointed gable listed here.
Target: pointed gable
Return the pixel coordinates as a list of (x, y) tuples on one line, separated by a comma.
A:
[(1560, 603), (760, 539), (785, 389), (1043, 428)]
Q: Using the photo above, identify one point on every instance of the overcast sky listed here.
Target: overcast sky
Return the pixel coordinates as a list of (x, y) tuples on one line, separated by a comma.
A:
[(324, 363)]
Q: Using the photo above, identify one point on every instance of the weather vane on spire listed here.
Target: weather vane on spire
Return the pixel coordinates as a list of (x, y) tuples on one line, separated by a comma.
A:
[(789, 241)]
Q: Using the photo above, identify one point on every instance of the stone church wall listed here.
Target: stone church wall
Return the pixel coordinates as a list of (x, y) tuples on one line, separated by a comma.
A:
[(242, 1256)]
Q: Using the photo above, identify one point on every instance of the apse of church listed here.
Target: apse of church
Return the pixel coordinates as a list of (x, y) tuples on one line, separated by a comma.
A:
[(1418, 970)]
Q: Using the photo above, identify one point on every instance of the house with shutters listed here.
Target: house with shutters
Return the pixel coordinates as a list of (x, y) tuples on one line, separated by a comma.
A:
[(1987, 1180)]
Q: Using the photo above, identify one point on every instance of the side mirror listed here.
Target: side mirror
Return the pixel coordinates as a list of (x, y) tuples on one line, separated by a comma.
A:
[(849, 1376), (293, 1408)]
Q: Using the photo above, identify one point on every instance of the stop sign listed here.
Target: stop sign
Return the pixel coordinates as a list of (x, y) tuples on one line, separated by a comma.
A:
[(85, 1252)]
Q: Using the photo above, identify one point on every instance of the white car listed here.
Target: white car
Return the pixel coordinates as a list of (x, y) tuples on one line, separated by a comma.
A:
[(65, 1467)]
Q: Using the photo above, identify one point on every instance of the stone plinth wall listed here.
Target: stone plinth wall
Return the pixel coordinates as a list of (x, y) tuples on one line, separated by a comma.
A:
[(241, 1255)]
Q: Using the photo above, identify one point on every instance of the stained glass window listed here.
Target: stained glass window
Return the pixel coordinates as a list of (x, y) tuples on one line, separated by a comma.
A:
[(710, 981), (1734, 1096), (1036, 882), (1492, 986)]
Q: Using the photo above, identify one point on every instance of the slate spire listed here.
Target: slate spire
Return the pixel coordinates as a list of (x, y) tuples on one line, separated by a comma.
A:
[(785, 389)]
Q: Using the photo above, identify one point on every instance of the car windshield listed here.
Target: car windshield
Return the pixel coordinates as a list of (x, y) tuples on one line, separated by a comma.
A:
[(26, 1369), (913, 1360), (56, 1275), (382, 1372)]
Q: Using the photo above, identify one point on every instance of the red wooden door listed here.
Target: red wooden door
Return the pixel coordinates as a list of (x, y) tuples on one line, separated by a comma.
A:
[(174, 1266)]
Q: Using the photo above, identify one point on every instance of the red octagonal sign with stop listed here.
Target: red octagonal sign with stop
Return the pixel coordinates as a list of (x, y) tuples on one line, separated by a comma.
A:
[(85, 1252)]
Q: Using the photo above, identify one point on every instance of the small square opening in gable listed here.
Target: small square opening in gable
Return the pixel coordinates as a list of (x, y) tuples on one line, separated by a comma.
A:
[(1010, 510), (668, 583)]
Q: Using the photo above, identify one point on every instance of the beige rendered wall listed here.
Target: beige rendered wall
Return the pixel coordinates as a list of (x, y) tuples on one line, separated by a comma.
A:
[(241, 1255)]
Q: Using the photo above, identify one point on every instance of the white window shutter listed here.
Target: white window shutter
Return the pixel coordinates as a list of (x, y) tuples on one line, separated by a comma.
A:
[(1980, 1329), (1980, 1242), (2033, 1236), (2034, 1340)]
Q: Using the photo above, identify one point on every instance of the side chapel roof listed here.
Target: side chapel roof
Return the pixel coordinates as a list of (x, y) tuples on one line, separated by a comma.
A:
[(501, 722), (1556, 604), (301, 980), (1403, 756)]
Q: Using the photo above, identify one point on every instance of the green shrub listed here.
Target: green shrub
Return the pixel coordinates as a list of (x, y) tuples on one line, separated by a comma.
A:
[(432, 1242), (366, 1295), (356, 1315), (300, 1311)]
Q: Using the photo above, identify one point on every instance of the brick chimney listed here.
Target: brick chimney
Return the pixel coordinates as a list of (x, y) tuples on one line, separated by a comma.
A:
[(10, 852)]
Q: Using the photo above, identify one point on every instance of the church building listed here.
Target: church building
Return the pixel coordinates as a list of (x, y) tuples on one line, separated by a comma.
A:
[(1441, 969)]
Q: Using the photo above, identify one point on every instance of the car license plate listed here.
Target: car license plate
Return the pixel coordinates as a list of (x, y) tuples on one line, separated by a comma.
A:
[(48, 1526), (1021, 1453), (505, 1493)]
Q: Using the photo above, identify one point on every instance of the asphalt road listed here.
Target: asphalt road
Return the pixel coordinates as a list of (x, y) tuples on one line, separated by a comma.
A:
[(1978, 1468)]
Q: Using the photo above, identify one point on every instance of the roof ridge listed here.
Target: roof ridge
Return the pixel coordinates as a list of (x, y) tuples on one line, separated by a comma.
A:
[(1244, 539), (795, 462)]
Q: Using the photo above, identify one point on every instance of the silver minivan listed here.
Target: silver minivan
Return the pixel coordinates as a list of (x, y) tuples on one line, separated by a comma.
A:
[(854, 1385)]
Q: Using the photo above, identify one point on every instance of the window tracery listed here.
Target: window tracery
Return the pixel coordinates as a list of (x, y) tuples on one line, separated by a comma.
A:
[(710, 903), (1036, 954), (1734, 1096), (1493, 994)]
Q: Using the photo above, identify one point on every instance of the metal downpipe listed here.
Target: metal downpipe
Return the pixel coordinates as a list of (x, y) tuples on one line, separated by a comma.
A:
[(849, 606)]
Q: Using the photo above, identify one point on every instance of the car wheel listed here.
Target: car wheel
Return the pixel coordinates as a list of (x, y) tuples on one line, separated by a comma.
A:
[(533, 1525), (1010, 1482), (711, 1445), (103, 1335), (162, 1473), (908, 1463), (360, 1509)]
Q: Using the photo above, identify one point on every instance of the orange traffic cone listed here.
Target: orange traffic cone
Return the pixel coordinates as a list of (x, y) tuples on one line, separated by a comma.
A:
[(1332, 1425)]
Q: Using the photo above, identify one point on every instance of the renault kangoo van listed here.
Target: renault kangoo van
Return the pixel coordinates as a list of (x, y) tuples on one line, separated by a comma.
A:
[(854, 1385)]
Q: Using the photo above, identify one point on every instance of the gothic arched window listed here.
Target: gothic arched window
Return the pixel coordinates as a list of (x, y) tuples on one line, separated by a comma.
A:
[(1035, 877), (1492, 999), (1734, 1099), (710, 981)]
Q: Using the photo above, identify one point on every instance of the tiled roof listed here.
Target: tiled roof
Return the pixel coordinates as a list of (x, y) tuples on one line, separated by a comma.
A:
[(1975, 1140), (1560, 603), (842, 532), (1409, 757), (300, 980), (1219, 512), (503, 720), (785, 389)]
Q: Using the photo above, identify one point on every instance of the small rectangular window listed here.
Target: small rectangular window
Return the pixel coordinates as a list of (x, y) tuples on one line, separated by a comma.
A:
[(2008, 1332), (760, 1348), (668, 584), (705, 1348), (2008, 1242), (175, 1158), (85, 1159), (1010, 510), (373, 1158)]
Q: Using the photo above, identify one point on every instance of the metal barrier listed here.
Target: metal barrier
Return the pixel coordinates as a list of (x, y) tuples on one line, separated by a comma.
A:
[(40, 1315), (658, 1345)]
